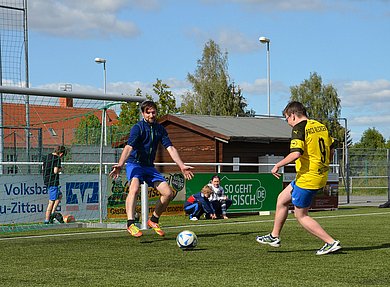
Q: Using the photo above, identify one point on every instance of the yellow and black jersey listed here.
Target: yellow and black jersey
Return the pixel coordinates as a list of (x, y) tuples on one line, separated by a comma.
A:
[(312, 140)]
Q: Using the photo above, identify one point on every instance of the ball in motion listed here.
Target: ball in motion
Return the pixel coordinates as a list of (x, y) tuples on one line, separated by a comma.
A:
[(186, 240)]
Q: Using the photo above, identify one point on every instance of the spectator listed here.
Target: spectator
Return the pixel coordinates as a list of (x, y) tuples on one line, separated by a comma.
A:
[(218, 198), (199, 203)]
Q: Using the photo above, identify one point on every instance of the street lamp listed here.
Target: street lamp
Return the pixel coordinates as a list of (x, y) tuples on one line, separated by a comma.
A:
[(265, 40), (103, 61), (104, 112), (102, 139)]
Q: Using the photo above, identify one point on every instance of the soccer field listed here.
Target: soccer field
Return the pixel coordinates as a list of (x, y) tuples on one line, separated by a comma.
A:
[(227, 254)]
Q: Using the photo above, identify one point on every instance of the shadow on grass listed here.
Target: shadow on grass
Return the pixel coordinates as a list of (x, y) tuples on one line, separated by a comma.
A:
[(149, 240), (196, 249), (227, 233), (363, 248), (344, 250)]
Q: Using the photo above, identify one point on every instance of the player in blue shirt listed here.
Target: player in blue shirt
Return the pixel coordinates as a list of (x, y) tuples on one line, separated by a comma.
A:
[(139, 155)]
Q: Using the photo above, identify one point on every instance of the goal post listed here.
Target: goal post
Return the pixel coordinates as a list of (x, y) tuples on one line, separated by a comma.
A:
[(104, 101)]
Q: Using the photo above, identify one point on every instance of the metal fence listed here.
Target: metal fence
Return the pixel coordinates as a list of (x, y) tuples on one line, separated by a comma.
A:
[(364, 171), (361, 171)]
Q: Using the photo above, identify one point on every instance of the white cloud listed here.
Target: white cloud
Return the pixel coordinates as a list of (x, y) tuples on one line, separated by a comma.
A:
[(372, 120), (367, 93), (228, 39), (259, 86), (234, 41), (284, 5), (82, 19)]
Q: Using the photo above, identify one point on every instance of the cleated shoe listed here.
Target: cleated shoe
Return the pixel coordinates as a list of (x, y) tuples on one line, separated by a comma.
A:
[(52, 217), (329, 248), (134, 230), (156, 228), (194, 218), (269, 239)]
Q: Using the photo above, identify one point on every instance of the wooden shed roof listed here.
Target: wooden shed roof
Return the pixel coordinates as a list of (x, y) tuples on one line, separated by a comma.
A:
[(57, 118), (234, 129)]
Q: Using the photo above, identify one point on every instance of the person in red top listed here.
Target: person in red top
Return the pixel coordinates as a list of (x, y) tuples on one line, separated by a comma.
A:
[(199, 203)]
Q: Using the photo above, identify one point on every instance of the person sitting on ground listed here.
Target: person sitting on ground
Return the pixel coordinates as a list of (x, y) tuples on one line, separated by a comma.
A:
[(199, 203), (218, 198)]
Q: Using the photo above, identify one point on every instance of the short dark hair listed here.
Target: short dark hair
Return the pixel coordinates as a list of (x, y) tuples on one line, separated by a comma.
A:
[(215, 176), (147, 105), (296, 108), (61, 149)]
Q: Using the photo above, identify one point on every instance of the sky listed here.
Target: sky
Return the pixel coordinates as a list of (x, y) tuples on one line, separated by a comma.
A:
[(346, 42)]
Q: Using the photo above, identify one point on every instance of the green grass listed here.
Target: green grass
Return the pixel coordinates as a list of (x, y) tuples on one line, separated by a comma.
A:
[(227, 254)]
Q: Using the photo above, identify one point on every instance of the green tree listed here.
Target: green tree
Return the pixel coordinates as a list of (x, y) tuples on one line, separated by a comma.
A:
[(239, 106), (189, 103), (322, 103), (212, 93), (369, 157), (371, 139), (130, 112), (128, 116), (88, 131), (166, 103)]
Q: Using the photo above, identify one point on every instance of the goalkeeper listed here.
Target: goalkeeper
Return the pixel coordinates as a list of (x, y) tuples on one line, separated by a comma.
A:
[(51, 178), (139, 154)]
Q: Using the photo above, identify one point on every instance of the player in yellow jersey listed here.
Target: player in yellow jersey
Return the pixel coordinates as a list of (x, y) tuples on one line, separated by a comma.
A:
[(312, 149)]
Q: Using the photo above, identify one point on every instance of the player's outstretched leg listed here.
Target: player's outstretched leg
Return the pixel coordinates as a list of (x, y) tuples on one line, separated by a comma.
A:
[(156, 227)]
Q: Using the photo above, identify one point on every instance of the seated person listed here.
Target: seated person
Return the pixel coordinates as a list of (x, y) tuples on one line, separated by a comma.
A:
[(199, 203), (218, 198)]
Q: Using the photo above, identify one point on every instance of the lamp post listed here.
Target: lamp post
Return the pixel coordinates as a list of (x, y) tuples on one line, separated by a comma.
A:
[(103, 61), (265, 40), (103, 139), (104, 115)]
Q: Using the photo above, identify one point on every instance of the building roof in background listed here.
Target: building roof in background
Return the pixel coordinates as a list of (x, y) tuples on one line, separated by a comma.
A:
[(245, 129), (57, 123)]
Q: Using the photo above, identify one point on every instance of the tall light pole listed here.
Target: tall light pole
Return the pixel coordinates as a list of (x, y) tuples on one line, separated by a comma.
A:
[(103, 138), (265, 40), (103, 61)]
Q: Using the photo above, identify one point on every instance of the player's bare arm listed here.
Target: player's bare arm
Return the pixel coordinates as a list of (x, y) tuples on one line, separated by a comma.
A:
[(185, 169), (116, 169), (288, 159)]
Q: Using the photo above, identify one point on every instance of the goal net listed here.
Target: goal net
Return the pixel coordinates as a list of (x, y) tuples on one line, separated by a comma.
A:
[(32, 126)]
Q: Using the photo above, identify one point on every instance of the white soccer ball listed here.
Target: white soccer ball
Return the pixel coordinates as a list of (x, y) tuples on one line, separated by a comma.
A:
[(186, 239)]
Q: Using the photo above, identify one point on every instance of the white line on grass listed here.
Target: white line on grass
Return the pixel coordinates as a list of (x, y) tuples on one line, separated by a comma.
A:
[(189, 226), (60, 234), (271, 220)]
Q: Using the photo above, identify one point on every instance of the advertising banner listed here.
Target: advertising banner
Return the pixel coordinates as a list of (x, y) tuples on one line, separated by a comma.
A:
[(24, 198), (118, 190), (249, 192)]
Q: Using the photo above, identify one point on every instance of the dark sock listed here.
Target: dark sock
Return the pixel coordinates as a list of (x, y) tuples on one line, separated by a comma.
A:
[(130, 222), (154, 219)]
